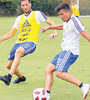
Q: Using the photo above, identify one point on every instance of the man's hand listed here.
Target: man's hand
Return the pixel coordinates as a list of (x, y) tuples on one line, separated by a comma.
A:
[(52, 36), (44, 29)]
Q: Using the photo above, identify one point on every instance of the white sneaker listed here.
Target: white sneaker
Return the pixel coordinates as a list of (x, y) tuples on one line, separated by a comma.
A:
[(85, 89), (48, 96)]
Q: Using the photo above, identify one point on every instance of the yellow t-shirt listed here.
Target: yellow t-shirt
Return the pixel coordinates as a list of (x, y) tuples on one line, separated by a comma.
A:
[(74, 11), (28, 29)]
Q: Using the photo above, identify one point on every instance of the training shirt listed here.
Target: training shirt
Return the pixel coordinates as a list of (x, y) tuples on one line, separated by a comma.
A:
[(71, 35), (74, 10), (29, 26)]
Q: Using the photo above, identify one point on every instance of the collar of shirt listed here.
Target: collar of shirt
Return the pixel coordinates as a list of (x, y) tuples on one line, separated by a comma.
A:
[(69, 19), (26, 16)]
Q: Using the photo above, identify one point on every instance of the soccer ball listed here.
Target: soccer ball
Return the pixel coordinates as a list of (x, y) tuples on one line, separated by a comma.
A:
[(40, 94)]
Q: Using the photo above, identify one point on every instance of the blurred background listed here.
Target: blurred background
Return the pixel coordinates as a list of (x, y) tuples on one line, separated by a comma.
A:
[(12, 7)]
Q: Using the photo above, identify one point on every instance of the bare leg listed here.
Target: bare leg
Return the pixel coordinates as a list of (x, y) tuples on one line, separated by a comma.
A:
[(49, 76), (17, 72), (19, 53), (13, 65), (62, 75), (68, 77)]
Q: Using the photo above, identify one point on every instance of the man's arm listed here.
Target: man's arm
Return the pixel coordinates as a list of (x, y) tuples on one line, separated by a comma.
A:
[(57, 27), (77, 9), (9, 34), (85, 35), (48, 21), (54, 27), (51, 23)]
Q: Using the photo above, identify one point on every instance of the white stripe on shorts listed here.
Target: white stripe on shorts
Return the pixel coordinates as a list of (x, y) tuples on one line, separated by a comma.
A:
[(63, 62), (30, 49)]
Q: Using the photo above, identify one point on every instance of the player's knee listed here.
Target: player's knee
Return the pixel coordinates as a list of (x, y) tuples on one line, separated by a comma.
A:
[(8, 66), (19, 52), (49, 69), (58, 74)]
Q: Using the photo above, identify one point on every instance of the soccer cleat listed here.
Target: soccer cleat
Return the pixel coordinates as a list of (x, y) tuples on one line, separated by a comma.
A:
[(85, 89), (22, 79), (48, 96), (5, 79)]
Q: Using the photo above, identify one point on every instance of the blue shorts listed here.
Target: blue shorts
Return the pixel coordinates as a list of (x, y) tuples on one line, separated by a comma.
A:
[(64, 60), (28, 46)]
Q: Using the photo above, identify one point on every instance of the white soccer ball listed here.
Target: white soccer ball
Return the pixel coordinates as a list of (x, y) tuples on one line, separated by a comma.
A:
[(40, 94)]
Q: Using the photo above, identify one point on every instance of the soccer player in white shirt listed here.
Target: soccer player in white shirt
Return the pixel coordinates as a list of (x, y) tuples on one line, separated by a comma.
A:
[(72, 30)]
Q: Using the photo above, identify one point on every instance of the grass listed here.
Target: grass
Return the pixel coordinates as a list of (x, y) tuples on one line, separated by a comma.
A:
[(32, 66)]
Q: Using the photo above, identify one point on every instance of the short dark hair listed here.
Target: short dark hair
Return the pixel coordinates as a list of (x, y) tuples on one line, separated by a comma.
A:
[(24, 0), (63, 6)]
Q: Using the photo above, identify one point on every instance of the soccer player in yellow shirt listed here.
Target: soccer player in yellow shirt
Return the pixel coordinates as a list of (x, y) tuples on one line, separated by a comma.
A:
[(75, 9), (28, 24)]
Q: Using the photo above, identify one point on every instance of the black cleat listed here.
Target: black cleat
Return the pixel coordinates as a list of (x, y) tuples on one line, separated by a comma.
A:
[(22, 79), (5, 79)]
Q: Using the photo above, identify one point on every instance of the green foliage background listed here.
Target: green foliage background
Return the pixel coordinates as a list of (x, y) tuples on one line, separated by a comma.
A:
[(12, 7)]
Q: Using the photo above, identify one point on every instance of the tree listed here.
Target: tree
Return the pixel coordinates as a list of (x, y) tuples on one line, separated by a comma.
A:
[(67, 1), (8, 7)]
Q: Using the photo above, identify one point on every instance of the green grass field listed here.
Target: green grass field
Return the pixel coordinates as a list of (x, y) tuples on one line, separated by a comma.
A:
[(32, 66)]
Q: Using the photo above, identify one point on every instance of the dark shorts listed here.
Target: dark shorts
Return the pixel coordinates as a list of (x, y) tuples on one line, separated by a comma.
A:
[(28, 46), (64, 60)]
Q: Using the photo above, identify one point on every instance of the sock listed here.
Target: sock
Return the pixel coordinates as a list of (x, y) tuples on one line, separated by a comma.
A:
[(9, 75), (48, 91), (80, 85)]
